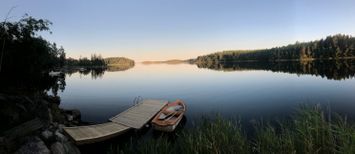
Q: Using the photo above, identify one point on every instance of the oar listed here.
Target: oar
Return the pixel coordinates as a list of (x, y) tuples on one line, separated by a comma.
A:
[(170, 116)]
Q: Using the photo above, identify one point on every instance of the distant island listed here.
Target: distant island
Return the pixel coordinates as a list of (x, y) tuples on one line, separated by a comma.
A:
[(119, 63), (172, 61), (332, 47)]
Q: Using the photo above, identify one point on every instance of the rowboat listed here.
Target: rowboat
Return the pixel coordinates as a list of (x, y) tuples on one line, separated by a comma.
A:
[(169, 117)]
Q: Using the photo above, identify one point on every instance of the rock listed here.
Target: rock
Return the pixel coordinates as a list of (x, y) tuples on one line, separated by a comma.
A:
[(57, 148), (28, 100), (73, 115), (44, 102), (2, 142), (64, 148), (55, 124), (21, 106), (71, 148), (50, 116), (41, 111), (60, 137), (60, 127), (47, 135), (2, 98), (33, 146), (70, 117)]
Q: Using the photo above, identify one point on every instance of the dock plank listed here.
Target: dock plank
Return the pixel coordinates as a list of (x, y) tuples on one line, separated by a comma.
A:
[(147, 109), (95, 133)]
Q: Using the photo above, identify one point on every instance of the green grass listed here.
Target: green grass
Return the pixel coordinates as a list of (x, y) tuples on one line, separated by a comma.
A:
[(310, 130)]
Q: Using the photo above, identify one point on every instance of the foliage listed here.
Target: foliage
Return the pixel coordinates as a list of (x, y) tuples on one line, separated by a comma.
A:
[(95, 60), (332, 47), (98, 61), (311, 130), (25, 50), (119, 61), (26, 57)]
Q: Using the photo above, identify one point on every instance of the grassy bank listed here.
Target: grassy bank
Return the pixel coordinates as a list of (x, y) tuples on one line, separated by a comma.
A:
[(310, 130)]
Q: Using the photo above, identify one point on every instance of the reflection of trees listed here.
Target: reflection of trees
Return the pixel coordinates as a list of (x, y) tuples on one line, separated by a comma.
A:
[(115, 68), (330, 69), (31, 83), (94, 72), (85, 71), (59, 84), (97, 72)]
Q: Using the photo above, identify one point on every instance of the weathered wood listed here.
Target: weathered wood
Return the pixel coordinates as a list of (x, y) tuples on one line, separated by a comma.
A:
[(95, 133), (134, 117), (138, 115)]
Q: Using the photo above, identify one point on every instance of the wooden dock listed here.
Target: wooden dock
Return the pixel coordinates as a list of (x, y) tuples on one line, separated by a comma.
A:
[(133, 118)]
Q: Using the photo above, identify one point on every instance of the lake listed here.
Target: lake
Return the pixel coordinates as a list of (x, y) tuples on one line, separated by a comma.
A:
[(251, 93)]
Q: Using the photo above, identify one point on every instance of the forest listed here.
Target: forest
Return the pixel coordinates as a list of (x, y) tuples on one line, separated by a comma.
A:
[(98, 61), (332, 47), (95, 60)]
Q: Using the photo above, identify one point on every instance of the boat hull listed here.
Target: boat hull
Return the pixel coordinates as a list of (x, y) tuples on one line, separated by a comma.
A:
[(168, 128)]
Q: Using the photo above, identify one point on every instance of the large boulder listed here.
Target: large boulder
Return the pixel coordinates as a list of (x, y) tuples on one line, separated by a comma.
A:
[(64, 148), (57, 148), (16, 109), (60, 137), (34, 145), (70, 148), (73, 115), (47, 135)]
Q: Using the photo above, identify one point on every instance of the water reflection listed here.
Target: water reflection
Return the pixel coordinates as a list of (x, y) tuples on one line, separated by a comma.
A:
[(246, 93), (30, 83), (95, 72), (330, 69)]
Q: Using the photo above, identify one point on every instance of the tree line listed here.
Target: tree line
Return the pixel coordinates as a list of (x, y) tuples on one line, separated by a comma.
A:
[(97, 60), (332, 47)]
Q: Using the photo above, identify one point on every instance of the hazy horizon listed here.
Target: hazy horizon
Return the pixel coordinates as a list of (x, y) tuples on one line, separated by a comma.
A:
[(162, 30)]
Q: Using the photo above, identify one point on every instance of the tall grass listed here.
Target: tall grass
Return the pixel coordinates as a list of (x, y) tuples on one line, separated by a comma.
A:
[(311, 130), (218, 136)]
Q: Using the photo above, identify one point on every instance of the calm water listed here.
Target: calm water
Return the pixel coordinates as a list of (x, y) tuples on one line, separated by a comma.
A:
[(232, 93)]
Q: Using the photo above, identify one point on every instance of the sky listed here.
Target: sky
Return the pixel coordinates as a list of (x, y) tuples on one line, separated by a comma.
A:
[(182, 29)]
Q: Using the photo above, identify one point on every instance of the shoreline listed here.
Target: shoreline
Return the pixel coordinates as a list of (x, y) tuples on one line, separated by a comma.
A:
[(42, 111), (277, 60)]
